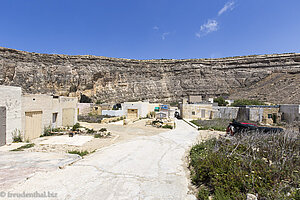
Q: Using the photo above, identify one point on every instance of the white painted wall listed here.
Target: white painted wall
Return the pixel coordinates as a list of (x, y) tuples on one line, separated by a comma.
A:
[(142, 108), (84, 108), (117, 113), (38, 102), (10, 97), (69, 102), (48, 105)]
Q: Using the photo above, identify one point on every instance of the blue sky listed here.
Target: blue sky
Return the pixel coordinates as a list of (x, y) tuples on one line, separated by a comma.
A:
[(151, 29)]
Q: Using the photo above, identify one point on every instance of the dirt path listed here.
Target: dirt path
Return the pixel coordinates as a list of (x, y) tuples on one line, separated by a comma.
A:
[(119, 133)]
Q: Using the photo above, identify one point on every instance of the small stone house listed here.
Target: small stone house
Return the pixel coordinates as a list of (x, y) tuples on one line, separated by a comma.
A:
[(135, 110), (10, 117), (196, 111), (290, 113), (261, 114), (40, 111), (194, 99)]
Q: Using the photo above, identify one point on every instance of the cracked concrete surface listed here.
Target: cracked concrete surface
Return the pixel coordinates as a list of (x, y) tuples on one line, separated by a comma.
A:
[(19, 166), (147, 167)]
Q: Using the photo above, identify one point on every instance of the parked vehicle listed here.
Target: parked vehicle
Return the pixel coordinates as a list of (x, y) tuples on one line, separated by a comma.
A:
[(238, 127)]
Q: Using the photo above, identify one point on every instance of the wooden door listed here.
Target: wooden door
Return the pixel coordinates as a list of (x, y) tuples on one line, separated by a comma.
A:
[(33, 125)]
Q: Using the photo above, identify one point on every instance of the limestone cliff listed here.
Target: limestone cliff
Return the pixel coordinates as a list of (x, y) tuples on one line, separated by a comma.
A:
[(267, 77)]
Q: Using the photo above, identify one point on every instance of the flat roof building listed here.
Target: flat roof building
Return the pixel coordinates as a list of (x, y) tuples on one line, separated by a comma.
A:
[(10, 98)]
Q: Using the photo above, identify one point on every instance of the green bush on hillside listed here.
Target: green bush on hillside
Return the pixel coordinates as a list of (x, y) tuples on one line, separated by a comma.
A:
[(221, 101)]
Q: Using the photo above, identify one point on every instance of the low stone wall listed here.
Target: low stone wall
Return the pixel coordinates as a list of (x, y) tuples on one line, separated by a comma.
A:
[(108, 120), (226, 112), (290, 113)]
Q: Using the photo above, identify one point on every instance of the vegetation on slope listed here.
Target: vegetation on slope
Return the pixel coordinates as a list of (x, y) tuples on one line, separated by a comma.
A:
[(215, 124), (265, 165)]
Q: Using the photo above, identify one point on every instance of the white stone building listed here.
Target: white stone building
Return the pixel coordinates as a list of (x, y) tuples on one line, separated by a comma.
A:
[(135, 110), (10, 98), (40, 111)]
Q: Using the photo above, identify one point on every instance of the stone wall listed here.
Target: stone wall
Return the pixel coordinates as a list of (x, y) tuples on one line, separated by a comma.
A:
[(290, 113), (266, 77), (197, 111), (225, 112)]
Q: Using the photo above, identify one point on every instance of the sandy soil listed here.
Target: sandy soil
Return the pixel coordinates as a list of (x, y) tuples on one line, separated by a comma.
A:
[(119, 133)]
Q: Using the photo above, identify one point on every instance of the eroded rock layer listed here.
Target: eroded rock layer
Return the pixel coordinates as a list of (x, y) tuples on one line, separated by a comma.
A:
[(266, 77)]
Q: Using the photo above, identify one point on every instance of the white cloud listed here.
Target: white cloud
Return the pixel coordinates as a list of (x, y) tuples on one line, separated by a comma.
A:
[(164, 35), (210, 26), (156, 28), (228, 6)]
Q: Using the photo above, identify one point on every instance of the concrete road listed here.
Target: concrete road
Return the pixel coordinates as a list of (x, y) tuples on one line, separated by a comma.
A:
[(147, 167), (19, 166)]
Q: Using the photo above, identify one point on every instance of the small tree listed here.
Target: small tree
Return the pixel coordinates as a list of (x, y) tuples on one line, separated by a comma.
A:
[(221, 101)]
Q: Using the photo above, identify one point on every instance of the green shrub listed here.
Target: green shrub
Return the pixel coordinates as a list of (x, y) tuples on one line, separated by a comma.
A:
[(203, 193), (244, 102), (263, 164), (98, 135), (103, 130), (221, 101), (90, 131), (47, 131), (76, 127), (50, 132), (174, 104), (167, 126), (26, 146), (99, 102), (81, 153), (155, 122), (17, 136)]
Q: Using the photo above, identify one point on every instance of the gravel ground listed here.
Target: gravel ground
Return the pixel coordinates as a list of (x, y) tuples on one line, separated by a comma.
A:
[(119, 133)]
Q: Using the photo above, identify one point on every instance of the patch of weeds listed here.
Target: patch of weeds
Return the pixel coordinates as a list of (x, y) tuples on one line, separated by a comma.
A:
[(167, 126), (26, 146), (102, 134), (81, 153), (90, 131), (203, 193), (76, 127), (48, 131), (103, 130), (267, 165), (215, 124), (98, 135), (17, 136)]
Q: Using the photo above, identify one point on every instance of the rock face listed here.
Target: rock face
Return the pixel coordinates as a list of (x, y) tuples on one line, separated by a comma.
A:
[(272, 78)]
